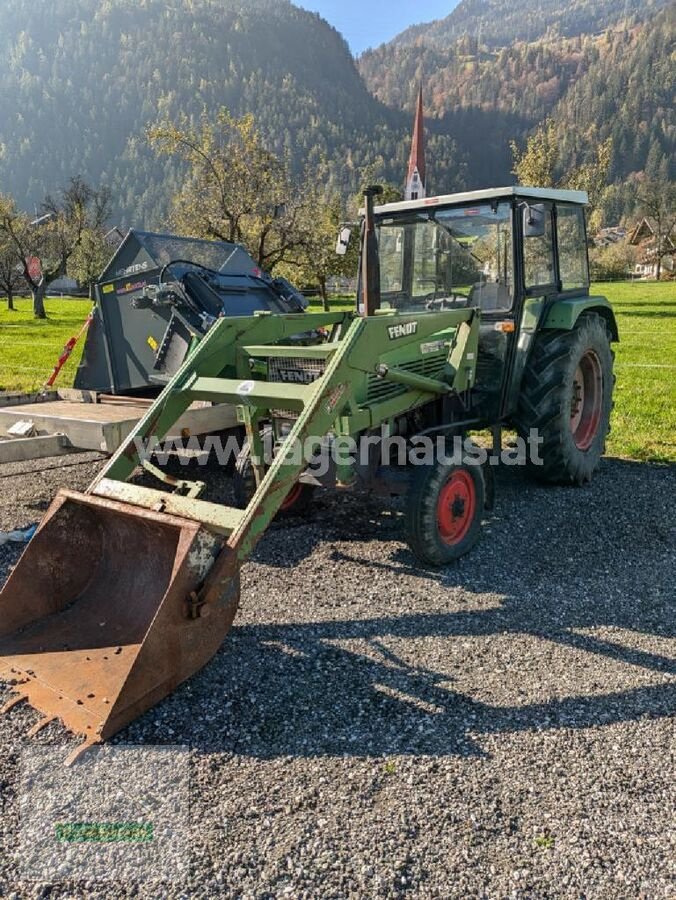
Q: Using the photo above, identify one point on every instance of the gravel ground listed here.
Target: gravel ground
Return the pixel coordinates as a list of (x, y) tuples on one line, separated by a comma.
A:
[(502, 728)]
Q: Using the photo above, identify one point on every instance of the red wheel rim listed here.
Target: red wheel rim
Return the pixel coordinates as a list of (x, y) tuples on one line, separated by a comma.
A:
[(291, 497), (456, 507), (587, 400)]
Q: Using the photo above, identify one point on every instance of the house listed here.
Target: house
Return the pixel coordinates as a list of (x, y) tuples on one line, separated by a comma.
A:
[(649, 264), (62, 286), (607, 236)]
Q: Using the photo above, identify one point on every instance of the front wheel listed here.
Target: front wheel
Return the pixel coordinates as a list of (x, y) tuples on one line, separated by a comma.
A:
[(444, 510)]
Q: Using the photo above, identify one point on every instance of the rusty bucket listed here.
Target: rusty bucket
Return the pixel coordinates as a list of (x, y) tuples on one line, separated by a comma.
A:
[(105, 613)]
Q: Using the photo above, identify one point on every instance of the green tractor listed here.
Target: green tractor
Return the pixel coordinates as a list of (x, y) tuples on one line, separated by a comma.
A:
[(484, 321), (473, 314)]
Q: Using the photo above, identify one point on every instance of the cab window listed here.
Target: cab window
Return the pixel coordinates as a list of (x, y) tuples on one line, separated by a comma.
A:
[(461, 256), (571, 237), (482, 254), (538, 246), (391, 255)]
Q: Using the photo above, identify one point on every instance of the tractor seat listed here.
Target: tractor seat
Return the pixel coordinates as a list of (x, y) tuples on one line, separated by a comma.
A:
[(490, 296)]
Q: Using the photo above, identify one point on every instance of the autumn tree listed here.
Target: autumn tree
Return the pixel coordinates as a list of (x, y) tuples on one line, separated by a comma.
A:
[(535, 165), (539, 165), (89, 257), (236, 189), (55, 236), (323, 215), (316, 258), (374, 173), (592, 177), (657, 202), (612, 263)]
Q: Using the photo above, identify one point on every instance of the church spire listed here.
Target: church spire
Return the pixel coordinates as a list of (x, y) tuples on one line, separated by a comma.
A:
[(415, 177)]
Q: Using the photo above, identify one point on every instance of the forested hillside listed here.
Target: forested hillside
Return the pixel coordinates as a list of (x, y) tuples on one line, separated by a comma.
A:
[(83, 78), (498, 23), (617, 83), (524, 79), (627, 94)]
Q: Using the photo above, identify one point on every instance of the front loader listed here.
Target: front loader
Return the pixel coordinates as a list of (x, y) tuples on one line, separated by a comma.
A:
[(461, 325)]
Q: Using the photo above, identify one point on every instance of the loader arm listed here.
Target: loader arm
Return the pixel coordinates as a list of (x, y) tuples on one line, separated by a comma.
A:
[(355, 357)]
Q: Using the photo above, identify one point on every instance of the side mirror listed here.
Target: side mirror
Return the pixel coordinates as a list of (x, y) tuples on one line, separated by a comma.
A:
[(534, 221), (343, 242)]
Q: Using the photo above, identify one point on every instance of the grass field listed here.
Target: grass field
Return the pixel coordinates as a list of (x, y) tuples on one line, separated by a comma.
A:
[(644, 421), (29, 348)]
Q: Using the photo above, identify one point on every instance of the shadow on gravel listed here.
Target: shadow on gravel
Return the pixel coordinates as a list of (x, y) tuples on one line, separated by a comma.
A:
[(559, 560)]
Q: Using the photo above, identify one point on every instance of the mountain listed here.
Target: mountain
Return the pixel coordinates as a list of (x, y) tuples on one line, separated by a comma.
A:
[(83, 78), (627, 94), (599, 69), (498, 23)]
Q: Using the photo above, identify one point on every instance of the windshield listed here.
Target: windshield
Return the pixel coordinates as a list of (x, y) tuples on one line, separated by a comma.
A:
[(449, 257)]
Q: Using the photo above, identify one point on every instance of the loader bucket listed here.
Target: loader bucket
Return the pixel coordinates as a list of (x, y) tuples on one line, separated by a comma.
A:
[(98, 620)]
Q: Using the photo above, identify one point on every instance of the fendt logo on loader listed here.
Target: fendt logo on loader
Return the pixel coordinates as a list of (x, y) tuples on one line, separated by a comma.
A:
[(297, 376), (406, 329)]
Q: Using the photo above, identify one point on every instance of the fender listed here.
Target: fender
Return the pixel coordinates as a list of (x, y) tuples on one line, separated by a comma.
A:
[(564, 313)]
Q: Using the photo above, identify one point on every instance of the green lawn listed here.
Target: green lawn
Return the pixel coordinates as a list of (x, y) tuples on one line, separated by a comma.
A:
[(339, 303), (644, 420), (30, 348)]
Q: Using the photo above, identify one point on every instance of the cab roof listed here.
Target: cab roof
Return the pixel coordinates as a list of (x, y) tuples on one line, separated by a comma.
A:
[(579, 198)]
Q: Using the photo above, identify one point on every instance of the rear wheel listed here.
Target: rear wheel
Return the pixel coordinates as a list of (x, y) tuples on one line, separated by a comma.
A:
[(444, 510), (566, 397), (244, 484)]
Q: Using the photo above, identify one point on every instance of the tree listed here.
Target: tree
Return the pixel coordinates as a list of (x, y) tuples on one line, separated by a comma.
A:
[(55, 236), (539, 165), (657, 202), (236, 189), (317, 260), (373, 174), (592, 177), (614, 262), (535, 166), (10, 272), (26, 244), (323, 214), (89, 257)]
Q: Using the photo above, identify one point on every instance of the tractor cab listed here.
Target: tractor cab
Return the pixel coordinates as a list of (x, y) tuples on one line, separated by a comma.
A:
[(510, 252)]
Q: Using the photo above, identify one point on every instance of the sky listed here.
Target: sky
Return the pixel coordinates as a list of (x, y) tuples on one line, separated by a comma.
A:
[(367, 23)]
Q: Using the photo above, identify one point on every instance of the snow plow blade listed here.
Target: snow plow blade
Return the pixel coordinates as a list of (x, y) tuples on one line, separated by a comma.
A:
[(110, 607)]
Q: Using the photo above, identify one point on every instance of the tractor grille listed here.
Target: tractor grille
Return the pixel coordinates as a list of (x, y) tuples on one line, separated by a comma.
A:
[(293, 370), (378, 389)]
